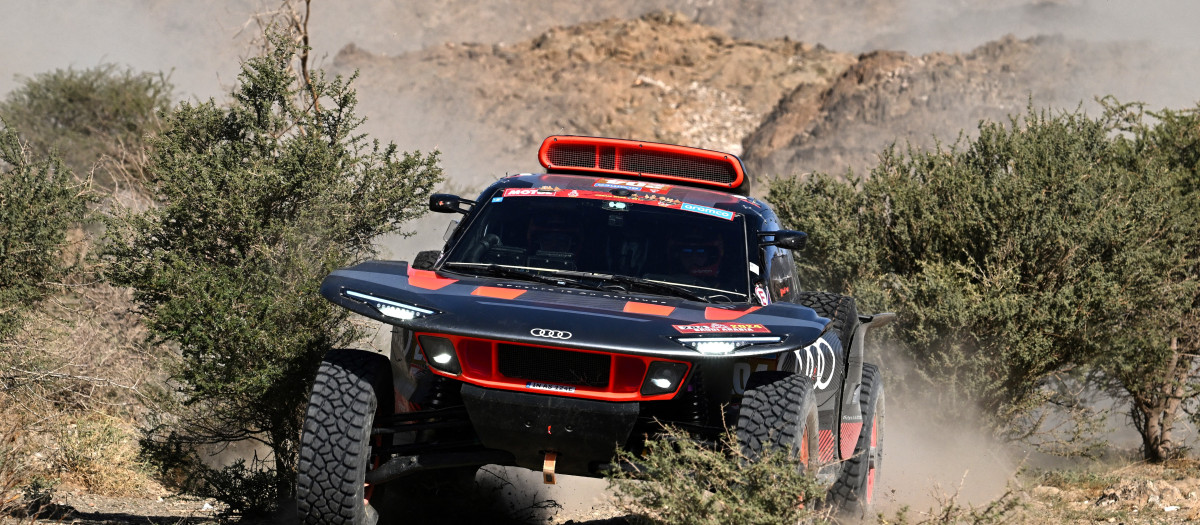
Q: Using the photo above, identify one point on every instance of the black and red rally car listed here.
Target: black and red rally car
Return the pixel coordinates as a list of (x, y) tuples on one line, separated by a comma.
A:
[(576, 311)]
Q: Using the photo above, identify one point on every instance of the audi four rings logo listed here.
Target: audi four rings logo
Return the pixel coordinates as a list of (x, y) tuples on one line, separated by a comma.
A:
[(552, 334)]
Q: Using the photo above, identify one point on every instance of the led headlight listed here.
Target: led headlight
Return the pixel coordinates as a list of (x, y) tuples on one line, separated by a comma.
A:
[(663, 377), (393, 309), (725, 345), (439, 353)]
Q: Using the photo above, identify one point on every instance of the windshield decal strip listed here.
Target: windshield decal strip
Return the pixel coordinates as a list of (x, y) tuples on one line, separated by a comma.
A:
[(648, 199)]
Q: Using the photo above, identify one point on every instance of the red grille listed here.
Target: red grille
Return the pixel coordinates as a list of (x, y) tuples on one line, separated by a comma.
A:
[(523, 367), (646, 160)]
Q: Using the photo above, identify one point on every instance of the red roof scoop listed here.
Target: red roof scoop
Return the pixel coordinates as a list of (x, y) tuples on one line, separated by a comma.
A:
[(635, 159)]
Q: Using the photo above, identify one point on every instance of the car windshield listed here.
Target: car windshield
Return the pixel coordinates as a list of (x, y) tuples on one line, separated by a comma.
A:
[(700, 251)]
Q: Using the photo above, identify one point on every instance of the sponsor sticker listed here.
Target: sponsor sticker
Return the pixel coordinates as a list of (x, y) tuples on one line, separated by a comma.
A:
[(724, 214), (722, 328), (761, 294), (632, 185), (546, 386), (528, 192)]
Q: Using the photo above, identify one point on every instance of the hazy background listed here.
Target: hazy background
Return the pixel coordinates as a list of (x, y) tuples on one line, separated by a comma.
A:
[(199, 44), (200, 41)]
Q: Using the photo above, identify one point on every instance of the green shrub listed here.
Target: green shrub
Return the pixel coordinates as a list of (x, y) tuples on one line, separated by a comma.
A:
[(680, 481), (248, 492), (260, 200), (39, 201), (90, 117), (1028, 251)]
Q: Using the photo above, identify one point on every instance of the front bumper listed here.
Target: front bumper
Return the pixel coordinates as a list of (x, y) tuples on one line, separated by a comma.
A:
[(584, 433)]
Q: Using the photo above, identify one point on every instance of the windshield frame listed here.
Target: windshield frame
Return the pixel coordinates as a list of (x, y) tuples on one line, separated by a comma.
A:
[(738, 285)]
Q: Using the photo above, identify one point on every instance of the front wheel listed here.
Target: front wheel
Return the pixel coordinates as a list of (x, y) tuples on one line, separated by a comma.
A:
[(781, 413), (351, 388)]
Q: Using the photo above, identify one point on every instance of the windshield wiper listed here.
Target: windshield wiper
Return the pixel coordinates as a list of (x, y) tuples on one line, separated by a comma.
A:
[(521, 274), (647, 284)]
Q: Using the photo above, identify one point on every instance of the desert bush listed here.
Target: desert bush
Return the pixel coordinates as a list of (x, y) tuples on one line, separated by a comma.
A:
[(249, 492), (1155, 367), (39, 201), (1030, 250), (13, 473), (96, 117), (679, 480), (260, 199), (99, 452)]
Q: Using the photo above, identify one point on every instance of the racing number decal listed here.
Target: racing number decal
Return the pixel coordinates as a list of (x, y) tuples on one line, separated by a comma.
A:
[(742, 371), (818, 361)]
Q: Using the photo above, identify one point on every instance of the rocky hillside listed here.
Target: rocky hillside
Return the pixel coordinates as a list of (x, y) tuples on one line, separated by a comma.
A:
[(788, 107), (661, 77), (890, 96)]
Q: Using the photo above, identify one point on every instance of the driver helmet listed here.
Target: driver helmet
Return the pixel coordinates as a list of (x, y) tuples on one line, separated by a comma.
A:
[(699, 256), (554, 233)]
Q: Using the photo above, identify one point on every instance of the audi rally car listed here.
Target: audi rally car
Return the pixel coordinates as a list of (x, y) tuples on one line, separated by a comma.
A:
[(630, 286)]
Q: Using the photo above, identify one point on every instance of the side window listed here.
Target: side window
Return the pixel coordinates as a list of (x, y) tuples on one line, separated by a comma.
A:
[(783, 276)]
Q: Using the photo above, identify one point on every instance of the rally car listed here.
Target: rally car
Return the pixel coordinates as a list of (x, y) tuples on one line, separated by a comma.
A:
[(573, 312)]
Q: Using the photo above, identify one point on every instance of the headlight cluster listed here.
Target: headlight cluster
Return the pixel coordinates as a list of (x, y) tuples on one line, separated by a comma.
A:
[(663, 377), (725, 345), (439, 353), (393, 309)]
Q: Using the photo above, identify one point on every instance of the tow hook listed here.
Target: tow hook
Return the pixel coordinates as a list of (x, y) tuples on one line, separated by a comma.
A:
[(548, 476)]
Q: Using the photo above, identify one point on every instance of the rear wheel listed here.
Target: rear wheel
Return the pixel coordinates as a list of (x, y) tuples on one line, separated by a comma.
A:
[(839, 309), (426, 259), (853, 492), (352, 387), (781, 413)]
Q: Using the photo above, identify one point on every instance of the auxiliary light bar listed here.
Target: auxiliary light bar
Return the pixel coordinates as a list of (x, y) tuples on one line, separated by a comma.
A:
[(393, 309), (725, 345)]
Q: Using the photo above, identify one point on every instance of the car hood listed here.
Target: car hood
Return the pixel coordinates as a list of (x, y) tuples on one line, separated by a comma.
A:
[(518, 311)]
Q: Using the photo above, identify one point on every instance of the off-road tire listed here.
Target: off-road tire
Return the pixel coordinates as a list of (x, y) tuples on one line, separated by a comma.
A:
[(839, 309), (351, 388), (781, 413), (853, 492)]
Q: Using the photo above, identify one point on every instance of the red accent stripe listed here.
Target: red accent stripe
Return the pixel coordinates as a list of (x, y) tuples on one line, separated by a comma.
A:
[(849, 436), (497, 293), (874, 443), (632, 307), (427, 279), (825, 445), (722, 314)]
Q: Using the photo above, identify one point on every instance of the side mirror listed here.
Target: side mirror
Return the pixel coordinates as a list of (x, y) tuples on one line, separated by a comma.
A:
[(447, 203), (790, 239)]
